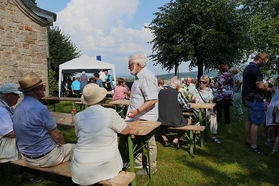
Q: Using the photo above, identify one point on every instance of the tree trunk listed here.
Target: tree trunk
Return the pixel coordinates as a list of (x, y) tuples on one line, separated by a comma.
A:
[(176, 67), (200, 68)]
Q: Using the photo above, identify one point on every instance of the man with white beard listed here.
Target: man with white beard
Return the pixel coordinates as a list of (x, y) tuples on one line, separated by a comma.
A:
[(143, 102)]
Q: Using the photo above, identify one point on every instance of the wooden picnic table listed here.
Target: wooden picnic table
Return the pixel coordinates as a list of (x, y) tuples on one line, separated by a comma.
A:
[(203, 105), (137, 128), (120, 102), (53, 98)]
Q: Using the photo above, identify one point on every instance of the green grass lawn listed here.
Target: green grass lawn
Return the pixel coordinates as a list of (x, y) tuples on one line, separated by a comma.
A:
[(229, 163)]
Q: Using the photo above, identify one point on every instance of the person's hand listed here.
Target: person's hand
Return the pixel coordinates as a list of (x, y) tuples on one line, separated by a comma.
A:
[(213, 114), (132, 113)]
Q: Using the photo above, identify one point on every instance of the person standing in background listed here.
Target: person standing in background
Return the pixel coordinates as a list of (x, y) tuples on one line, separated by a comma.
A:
[(253, 98), (83, 80), (102, 76), (97, 80), (143, 103), (237, 100)]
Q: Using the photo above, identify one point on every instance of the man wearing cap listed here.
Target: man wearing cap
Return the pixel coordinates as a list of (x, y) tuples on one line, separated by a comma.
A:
[(143, 102), (9, 95), (39, 141)]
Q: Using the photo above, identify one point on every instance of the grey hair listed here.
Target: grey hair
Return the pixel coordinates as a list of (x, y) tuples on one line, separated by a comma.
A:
[(206, 78), (174, 83), (138, 59), (188, 77)]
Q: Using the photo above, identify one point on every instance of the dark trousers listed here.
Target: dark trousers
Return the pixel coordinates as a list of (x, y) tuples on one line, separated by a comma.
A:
[(223, 105)]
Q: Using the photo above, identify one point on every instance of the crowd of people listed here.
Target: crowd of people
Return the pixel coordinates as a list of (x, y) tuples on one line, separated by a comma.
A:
[(30, 131), (74, 87)]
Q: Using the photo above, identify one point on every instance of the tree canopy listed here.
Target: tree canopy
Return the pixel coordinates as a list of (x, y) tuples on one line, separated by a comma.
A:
[(205, 32), (61, 49), (264, 29)]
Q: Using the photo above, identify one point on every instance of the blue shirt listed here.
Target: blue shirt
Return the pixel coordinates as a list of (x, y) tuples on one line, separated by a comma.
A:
[(251, 75), (32, 125), (100, 83), (75, 85)]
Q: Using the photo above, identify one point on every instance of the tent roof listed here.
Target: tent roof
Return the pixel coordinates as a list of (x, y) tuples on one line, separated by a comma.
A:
[(85, 63)]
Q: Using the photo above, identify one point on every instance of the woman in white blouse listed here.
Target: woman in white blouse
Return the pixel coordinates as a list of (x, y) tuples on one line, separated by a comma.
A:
[(96, 155)]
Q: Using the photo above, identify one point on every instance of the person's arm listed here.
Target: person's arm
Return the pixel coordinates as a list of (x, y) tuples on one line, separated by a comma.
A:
[(261, 86), (125, 131), (147, 105), (239, 83), (274, 114), (10, 134), (57, 136)]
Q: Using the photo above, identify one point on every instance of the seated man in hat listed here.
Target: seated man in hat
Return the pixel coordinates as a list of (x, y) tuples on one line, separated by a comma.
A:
[(39, 141), (9, 95)]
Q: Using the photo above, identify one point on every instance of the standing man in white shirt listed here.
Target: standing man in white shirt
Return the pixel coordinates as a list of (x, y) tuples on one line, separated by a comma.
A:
[(102, 75), (143, 102)]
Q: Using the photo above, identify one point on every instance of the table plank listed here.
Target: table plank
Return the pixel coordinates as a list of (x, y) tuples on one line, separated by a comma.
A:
[(120, 102), (53, 98), (203, 105)]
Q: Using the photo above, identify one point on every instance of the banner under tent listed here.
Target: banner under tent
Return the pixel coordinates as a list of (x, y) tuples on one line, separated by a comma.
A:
[(84, 63)]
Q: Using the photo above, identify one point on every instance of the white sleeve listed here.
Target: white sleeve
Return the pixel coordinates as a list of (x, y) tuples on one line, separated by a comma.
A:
[(117, 123)]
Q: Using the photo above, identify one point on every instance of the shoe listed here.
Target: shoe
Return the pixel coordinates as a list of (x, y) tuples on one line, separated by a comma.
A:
[(269, 143), (216, 140), (175, 145), (257, 150), (197, 139), (36, 180), (143, 171), (166, 143), (127, 165)]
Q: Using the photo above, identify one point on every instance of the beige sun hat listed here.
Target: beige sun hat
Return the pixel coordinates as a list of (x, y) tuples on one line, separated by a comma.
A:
[(30, 81), (93, 94)]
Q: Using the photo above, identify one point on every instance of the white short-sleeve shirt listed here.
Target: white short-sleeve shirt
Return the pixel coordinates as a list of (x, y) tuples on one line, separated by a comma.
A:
[(145, 87)]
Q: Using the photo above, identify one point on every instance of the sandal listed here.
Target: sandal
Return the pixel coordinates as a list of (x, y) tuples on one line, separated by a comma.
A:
[(216, 140), (258, 151)]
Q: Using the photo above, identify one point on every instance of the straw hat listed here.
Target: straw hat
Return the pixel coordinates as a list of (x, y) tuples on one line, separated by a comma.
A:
[(10, 88), (93, 94), (30, 81)]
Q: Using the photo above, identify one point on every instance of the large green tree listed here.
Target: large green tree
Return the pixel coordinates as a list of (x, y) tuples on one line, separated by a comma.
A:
[(264, 29), (61, 49), (206, 33)]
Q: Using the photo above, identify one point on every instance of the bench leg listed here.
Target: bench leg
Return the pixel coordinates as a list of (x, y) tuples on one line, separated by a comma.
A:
[(148, 158), (131, 158), (191, 143), (202, 139)]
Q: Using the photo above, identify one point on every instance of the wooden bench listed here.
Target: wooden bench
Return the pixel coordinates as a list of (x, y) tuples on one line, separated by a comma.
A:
[(63, 169), (191, 128)]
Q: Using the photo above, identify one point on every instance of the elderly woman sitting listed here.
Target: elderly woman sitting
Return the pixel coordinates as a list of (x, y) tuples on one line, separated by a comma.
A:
[(203, 94), (96, 155), (170, 113)]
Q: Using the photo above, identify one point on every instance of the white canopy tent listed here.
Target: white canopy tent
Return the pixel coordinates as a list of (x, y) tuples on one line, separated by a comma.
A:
[(84, 63)]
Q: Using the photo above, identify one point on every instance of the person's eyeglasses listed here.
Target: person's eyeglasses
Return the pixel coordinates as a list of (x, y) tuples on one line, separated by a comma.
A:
[(203, 82)]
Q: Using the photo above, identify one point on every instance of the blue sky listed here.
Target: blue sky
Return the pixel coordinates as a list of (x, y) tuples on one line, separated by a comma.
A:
[(113, 29)]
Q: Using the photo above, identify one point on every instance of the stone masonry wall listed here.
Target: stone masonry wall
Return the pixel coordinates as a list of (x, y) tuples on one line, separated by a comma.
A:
[(23, 45)]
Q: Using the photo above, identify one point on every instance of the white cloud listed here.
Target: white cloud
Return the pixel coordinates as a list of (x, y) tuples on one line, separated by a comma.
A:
[(98, 27)]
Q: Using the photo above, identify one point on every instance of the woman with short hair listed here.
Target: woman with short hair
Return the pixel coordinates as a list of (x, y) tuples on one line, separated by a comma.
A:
[(204, 94)]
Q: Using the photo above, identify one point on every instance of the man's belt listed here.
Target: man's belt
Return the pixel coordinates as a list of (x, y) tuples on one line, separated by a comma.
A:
[(30, 157)]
